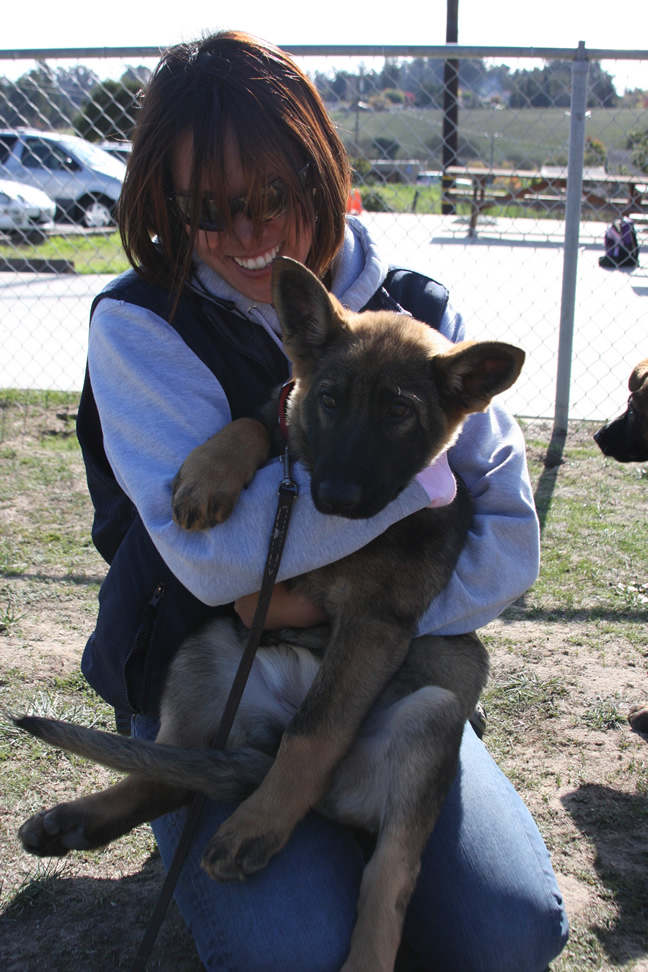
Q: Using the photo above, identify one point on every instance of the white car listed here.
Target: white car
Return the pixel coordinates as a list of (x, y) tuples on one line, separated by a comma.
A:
[(24, 209), (121, 150), (84, 181)]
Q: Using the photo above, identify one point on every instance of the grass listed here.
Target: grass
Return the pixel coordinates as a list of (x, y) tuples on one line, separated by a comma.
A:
[(36, 890), (527, 138), (49, 579), (426, 200), (523, 693), (604, 714), (567, 660), (9, 616), (88, 253)]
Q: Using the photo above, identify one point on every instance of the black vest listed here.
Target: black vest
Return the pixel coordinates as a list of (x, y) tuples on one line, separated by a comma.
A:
[(145, 613)]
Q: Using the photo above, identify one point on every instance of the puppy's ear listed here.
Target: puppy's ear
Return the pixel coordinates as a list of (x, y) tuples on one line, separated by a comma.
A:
[(638, 376), (470, 373), (310, 317)]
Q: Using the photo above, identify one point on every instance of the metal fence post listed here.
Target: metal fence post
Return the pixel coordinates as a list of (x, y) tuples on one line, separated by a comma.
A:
[(580, 70), (450, 108)]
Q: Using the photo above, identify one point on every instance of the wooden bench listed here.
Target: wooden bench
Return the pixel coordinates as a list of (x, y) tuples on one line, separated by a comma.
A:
[(532, 191)]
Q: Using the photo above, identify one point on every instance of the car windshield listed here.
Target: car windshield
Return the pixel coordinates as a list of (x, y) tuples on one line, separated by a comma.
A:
[(93, 157)]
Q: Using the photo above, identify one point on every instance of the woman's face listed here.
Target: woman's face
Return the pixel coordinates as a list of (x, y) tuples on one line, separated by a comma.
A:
[(242, 260)]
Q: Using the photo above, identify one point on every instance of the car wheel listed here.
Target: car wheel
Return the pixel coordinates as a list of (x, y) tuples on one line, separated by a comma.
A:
[(96, 213)]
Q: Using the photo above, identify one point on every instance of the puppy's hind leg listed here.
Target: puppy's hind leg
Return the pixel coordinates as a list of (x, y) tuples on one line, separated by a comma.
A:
[(96, 820), (414, 762)]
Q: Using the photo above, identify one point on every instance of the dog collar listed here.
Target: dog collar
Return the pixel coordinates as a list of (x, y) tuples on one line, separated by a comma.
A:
[(284, 395)]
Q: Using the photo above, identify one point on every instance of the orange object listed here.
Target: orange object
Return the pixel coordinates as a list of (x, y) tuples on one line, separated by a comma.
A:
[(354, 202)]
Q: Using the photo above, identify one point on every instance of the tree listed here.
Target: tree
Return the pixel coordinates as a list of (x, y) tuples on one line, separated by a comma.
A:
[(390, 75), (109, 112), (546, 87), (38, 98), (637, 98), (595, 152), (638, 144), (550, 87), (602, 93), (429, 95), (386, 147)]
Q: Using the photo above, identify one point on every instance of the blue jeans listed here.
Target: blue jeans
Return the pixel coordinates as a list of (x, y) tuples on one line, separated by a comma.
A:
[(486, 899)]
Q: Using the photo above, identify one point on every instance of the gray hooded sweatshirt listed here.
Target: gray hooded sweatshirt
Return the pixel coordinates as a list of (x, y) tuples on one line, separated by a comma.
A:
[(155, 408)]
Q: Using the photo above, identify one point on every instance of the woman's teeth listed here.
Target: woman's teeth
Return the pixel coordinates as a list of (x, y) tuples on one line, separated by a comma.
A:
[(258, 263)]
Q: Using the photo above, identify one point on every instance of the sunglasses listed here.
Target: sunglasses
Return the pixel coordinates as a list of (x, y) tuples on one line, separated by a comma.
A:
[(273, 204)]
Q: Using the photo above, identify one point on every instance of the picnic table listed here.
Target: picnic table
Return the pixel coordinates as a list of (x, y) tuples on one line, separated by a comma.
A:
[(545, 188)]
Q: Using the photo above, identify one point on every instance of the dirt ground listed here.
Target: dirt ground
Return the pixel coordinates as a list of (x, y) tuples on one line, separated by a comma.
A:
[(567, 661)]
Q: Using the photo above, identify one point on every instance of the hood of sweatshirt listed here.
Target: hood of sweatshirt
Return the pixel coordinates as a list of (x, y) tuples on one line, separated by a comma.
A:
[(357, 272)]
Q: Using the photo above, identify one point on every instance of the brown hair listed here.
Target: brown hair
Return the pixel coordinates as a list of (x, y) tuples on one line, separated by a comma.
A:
[(230, 84)]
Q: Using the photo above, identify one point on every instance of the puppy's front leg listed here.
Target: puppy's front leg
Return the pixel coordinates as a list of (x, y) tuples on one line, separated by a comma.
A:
[(356, 665), (209, 482)]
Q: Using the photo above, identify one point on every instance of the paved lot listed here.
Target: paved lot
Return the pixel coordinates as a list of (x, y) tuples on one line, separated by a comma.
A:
[(44, 328), (509, 288), (506, 287)]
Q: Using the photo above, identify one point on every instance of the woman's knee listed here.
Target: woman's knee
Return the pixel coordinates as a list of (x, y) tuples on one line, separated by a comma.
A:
[(487, 898), (298, 913)]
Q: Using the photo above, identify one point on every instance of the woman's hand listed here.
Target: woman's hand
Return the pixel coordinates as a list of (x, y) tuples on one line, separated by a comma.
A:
[(287, 610)]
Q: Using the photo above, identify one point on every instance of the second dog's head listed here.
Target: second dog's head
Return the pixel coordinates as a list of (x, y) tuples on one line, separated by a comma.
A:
[(378, 395), (626, 437)]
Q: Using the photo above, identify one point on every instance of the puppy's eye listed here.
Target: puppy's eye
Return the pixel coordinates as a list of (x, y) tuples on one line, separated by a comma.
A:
[(399, 411), (328, 402)]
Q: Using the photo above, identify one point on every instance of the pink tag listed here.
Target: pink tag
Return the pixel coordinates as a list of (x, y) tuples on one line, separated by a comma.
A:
[(438, 482)]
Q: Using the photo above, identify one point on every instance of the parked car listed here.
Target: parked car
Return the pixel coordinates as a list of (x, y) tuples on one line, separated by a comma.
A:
[(24, 209), (121, 150), (82, 179)]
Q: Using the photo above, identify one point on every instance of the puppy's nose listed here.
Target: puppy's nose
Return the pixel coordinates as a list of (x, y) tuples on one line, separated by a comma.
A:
[(340, 497)]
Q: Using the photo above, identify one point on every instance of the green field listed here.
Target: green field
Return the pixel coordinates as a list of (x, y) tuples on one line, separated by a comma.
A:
[(521, 138), (88, 253), (526, 138)]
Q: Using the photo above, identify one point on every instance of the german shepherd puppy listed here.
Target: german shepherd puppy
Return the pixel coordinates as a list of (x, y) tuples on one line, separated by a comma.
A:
[(625, 439), (371, 717)]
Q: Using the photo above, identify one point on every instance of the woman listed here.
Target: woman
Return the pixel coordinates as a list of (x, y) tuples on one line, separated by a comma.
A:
[(235, 162)]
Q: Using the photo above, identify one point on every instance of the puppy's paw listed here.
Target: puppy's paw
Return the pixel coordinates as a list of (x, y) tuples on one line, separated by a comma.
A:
[(200, 504), (210, 480), (52, 833), (638, 717), (231, 857)]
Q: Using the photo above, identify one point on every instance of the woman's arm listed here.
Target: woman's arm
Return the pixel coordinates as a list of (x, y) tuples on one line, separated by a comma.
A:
[(501, 557), (157, 401)]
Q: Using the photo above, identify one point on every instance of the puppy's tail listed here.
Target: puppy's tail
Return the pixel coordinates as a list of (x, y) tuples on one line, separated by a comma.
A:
[(230, 774)]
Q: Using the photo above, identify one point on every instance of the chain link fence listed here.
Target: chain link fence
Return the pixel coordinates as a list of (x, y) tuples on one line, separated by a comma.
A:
[(494, 170)]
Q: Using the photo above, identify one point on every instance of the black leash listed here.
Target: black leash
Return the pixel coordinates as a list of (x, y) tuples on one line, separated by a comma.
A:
[(287, 493)]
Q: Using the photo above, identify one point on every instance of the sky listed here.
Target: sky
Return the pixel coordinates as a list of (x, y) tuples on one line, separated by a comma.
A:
[(553, 23)]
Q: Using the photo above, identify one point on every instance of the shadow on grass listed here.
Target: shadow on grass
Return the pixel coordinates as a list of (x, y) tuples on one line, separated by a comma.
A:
[(521, 612), (617, 825), (546, 485), (75, 580), (88, 923)]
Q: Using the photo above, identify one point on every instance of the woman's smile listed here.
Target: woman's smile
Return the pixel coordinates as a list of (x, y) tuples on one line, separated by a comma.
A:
[(261, 262)]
